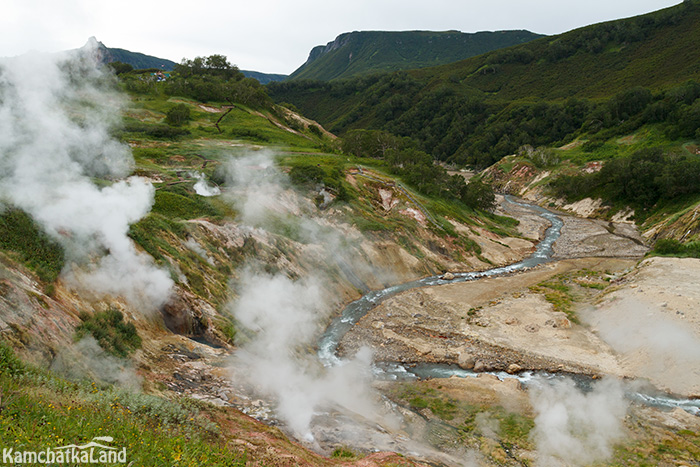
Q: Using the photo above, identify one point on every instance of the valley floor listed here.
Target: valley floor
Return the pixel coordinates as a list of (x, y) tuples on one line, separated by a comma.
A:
[(573, 315)]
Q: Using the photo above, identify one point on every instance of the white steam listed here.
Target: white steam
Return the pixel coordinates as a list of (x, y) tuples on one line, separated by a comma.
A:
[(259, 189), (87, 360), (662, 349), (192, 244), (202, 186), (284, 316), (55, 116), (577, 428)]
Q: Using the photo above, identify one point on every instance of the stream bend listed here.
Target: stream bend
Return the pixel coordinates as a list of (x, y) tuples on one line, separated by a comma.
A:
[(328, 344), (353, 312)]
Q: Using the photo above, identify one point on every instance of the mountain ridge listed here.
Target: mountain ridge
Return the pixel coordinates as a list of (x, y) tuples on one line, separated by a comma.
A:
[(362, 52), (140, 61), (542, 92)]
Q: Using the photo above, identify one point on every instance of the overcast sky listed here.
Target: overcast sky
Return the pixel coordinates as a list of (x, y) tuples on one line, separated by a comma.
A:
[(275, 36)]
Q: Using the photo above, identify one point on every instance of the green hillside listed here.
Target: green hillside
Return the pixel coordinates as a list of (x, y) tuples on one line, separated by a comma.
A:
[(141, 61), (601, 80), (263, 78), (135, 59), (359, 53)]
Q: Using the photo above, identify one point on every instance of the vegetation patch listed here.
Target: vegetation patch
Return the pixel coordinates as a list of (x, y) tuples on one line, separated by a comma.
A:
[(110, 331), (645, 181), (151, 233), (672, 247), (343, 453), (490, 429), (176, 206), (40, 410), (558, 293), (20, 234), (563, 290)]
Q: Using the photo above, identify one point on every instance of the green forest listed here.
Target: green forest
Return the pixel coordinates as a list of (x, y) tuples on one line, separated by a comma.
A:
[(594, 82)]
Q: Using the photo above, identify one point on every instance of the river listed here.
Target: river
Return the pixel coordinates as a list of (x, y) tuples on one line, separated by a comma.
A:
[(352, 313)]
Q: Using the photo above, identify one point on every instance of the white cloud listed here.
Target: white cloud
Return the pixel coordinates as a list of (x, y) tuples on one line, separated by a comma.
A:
[(276, 36)]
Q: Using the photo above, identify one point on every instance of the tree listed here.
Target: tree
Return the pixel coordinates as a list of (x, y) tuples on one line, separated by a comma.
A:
[(479, 195), (213, 65), (120, 67), (370, 143), (178, 115)]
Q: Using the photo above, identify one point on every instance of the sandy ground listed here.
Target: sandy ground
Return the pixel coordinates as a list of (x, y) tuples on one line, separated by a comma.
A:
[(490, 324), (652, 320), (499, 323), (591, 237)]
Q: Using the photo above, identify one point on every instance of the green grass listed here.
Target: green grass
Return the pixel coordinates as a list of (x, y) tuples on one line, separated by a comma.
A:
[(671, 247), (162, 237), (41, 410), (461, 423), (176, 206), (563, 290), (613, 145), (419, 398), (34, 248), (381, 51), (343, 453), (559, 295), (147, 114), (152, 232), (110, 331)]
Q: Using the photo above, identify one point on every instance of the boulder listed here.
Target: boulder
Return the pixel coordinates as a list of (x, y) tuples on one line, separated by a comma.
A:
[(514, 368)]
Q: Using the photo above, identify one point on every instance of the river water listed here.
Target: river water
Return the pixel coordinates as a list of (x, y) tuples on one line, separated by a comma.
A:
[(329, 341)]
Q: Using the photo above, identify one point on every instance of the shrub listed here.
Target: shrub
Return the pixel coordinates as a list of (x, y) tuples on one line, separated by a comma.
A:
[(303, 174), (9, 363), (178, 115), (176, 206), (672, 247), (110, 331), (156, 131)]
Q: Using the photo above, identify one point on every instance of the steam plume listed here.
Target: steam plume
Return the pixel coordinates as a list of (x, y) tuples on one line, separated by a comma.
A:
[(86, 359), (284, 315), (574, 428), (663, 350), (55, 116)]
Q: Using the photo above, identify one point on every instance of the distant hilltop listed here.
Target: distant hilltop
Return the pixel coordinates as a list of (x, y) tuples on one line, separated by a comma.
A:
[(135, 59), (141, 61), (358, 53)]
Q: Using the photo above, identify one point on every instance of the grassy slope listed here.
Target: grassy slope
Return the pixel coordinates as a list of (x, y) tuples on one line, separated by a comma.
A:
[(138, 60), (662, 54), (41, 410), (246, 127), (359, 53), (153, 429), (665, 56)]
